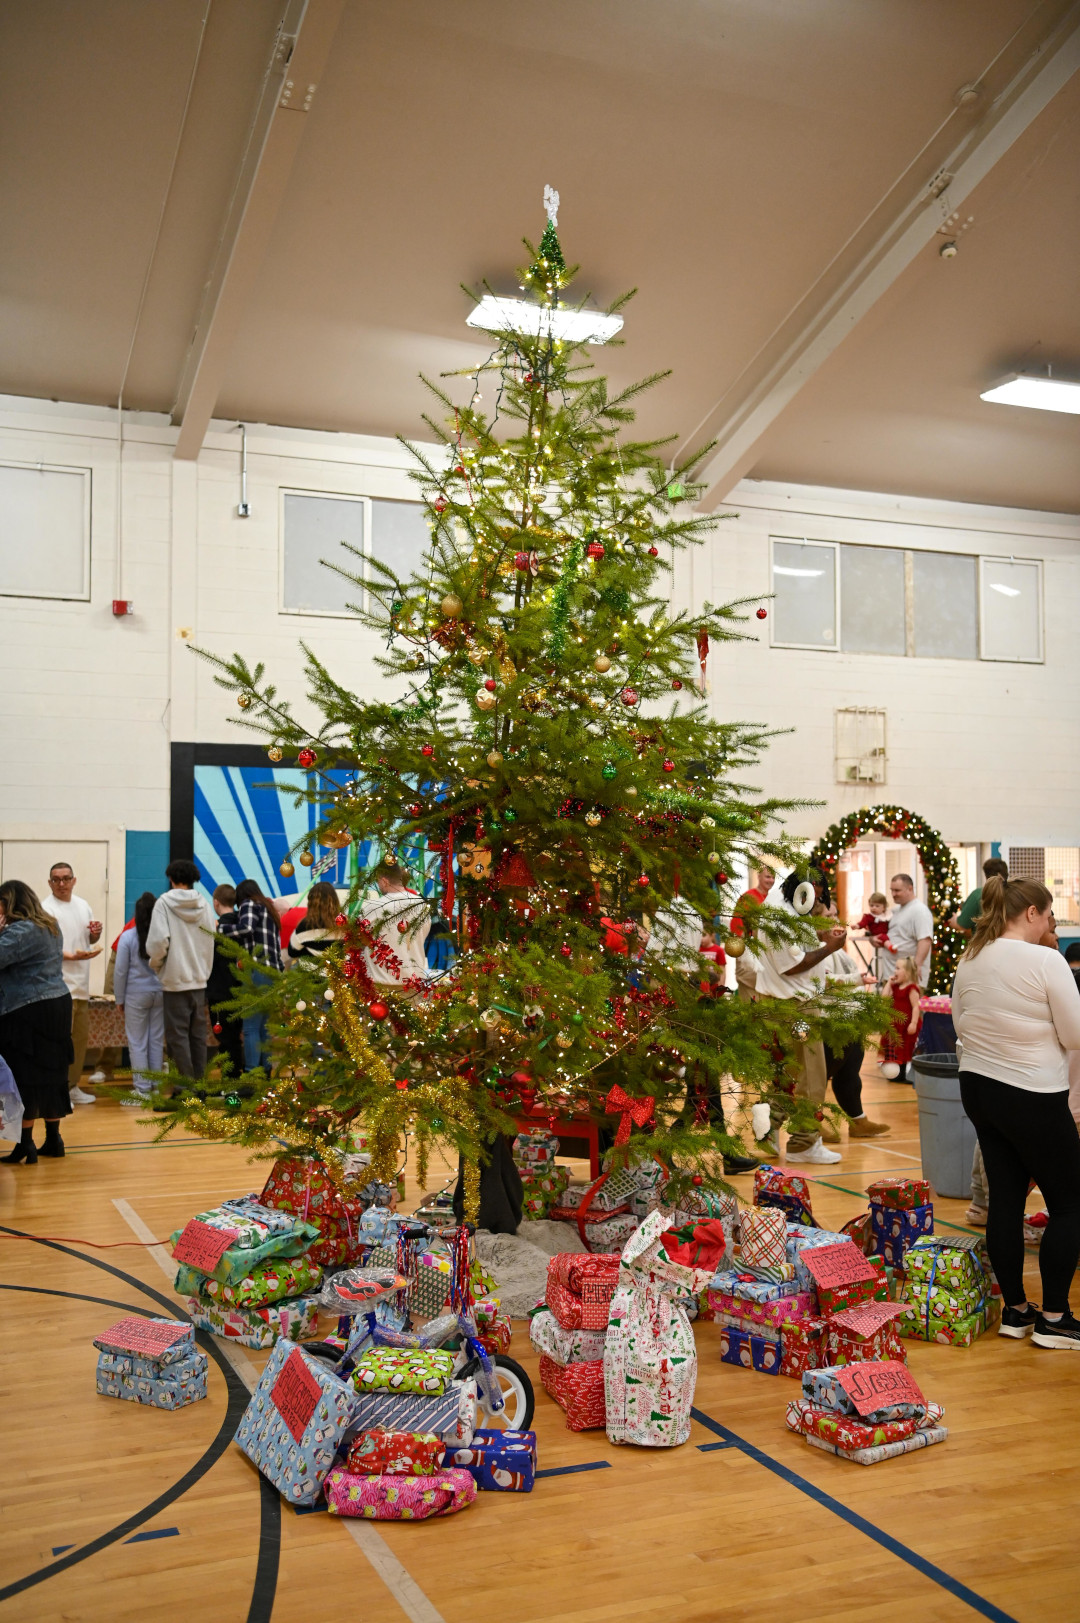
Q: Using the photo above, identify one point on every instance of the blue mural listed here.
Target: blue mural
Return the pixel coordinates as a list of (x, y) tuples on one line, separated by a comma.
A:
[(245, 828)]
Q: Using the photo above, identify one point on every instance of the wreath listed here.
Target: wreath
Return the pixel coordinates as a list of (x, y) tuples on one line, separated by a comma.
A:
[(939, 866)]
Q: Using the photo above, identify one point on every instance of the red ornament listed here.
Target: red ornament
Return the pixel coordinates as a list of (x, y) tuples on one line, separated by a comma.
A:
[(341, 921), (403, 925), (595, 549), (440, 504), (669, 766), (643, 882), (378, 1010), (676, 685), (217, 1030), (763, 614), (721, 879), (415, 809), (428, 749), (489, 683), (528, 1099), (460, 468), (697, 1180), (629, 697), (527, 380), (566, 949), (522, 1079), (402, 1083), (306, 757), (654, 552), (521, 562)]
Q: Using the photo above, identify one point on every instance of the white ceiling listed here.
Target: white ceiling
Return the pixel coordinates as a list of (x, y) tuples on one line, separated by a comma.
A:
[(730, 158)]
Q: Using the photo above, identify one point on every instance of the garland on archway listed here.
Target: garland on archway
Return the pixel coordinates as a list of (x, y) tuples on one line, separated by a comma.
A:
[(939, 865)]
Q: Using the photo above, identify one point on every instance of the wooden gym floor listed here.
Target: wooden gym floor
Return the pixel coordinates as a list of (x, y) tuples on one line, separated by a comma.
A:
[(112, 1511)]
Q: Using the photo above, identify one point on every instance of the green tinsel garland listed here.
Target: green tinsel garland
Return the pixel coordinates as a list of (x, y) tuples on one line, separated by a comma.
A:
[(560, 600), (939, 866)]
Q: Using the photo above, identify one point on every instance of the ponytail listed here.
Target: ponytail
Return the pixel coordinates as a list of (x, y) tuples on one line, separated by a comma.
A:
[(1002, 901)]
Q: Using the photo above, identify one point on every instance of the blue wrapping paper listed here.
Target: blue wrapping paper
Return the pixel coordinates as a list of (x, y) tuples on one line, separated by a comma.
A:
[(800, 1238), (822, 1387), (749, 1351), (733, 1283), (895, 1231), (498, 1461), (185, 1381), (297, 1467)]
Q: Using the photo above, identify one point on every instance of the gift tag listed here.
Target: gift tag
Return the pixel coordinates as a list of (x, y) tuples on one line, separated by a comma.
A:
[(866, 1319), (874, 1386), (143, 1336), (831, 1266), (295, 1393), (201, 1246)]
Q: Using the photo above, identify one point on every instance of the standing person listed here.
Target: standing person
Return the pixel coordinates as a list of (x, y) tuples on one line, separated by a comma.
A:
[(319, 928), (785, 971), (35, 1016), (140, 998), (400, 919), (965, 919), (180, 942), (742, 925), (844, 1067), (257, 930), (911, 928), (221, 986), (79, 930), (1017, 1014), (898, 1044)]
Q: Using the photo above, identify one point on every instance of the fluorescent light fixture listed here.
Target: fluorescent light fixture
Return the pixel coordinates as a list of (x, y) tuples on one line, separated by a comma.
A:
[(1043, 394), (533, 320), (804, 574), (1006, 591)]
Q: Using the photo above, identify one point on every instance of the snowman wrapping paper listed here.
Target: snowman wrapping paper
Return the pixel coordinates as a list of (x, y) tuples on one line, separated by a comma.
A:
[(296, 1421)]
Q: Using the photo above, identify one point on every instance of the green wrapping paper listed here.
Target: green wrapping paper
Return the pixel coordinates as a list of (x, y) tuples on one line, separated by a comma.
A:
[(267, 1282)]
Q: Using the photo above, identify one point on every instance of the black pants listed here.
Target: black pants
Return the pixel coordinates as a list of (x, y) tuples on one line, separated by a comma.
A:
[(1025, 1136), (843, 1072)]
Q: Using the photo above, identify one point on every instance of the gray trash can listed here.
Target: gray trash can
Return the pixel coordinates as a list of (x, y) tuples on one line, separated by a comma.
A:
[(945, 1133)]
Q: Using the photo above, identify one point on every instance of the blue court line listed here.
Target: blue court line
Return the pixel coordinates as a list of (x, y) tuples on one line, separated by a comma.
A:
[(569, 1470), (711, 1448), (985, 1608), (153, 1532), (58, 1549), (311, 1510)]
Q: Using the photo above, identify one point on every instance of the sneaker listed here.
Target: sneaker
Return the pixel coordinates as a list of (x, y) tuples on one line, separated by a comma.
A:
[(1017, 1322), (1063, 1333), (863, 1127), (78, 1097), (817, 1153), (98, 1078)]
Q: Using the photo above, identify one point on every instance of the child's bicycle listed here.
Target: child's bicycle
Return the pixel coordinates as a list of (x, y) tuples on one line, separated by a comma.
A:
[(504, 1391)]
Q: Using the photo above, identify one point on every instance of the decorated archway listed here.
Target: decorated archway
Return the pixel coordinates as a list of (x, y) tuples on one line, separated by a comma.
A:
[(939, 865)]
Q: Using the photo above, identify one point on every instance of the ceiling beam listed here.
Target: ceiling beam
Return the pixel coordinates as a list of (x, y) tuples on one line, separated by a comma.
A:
[(297, 60), (738, 434)]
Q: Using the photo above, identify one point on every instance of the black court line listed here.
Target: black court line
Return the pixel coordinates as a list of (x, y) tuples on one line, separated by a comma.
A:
[(937, 1575), (262, 1599), (569, 1470)]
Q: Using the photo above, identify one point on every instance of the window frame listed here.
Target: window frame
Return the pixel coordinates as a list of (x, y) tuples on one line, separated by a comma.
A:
[(1011, 558), (807, 541), (87, 476), (328, 495)]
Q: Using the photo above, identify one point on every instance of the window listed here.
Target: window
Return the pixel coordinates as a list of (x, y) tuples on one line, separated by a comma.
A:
[(860, 745), (804, 581), (872, 595), (1011, 594), (320, 529), (44, 531), (859, 599)]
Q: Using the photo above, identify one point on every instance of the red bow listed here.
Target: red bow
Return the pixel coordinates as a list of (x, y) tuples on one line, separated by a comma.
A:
[(634, 1112)]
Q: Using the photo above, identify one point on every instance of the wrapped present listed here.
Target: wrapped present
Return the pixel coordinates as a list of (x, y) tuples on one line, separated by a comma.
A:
[(498, 1461), (899, 1194), (897, 1229), (916, 1325), (763, 1237), (536, 1147), (545, 1180), (801, 1239), (451, 1416), (648, 1192), (842, 1276), (848, 1434), (146, 1346), (733, 1321), (884, 1451), (578, 1389), (747, 1287), (802, 1346), (295, 1319), (393, 1369), (267, 1282), (956, 1261), (493, 1328), (614, 1232), (860, 1230), (775, 1312), (785, 1191), (398, 1498), (229, 1240), (781, 1273), (749, 1351), (824, 1388), (178, 1384), (580, 1286), (565, 1346), (379, 1226), (610, 1191), (866, 1332), (297, 1419), (395, 1453), (303, 1186)]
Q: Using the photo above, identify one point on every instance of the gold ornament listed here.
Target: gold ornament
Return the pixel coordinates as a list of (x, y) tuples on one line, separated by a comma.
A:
[(565, 1039), (485, 700), (275, 753), (630, 790), (592, 818), (306, 859), (714, 856), (708, 822), (477, 656), (601, 663), (494, 758), (286, 870), (491, 1018), (244, 700), (452, 605), (735, 947)]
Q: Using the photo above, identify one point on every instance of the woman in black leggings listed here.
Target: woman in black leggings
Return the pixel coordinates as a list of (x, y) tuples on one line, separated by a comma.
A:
[(1016, 1011)]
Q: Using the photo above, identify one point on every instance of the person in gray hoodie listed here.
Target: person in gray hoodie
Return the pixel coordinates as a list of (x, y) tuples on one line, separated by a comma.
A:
[(180, 942)]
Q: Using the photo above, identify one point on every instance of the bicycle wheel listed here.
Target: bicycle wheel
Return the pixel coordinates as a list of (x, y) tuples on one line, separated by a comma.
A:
[(517, 1392)]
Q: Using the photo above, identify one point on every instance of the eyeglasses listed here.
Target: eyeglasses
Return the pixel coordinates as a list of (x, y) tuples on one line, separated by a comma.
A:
[(62, 879)]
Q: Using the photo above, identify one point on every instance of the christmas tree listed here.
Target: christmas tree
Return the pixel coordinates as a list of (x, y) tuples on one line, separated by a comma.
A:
[(548, 783)]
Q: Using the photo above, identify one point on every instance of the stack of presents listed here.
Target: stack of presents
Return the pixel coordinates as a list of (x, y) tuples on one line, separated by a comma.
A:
[(246, 1272), (569, 1332), (944, 1283), (542, 1180), (865, 1412), (151, 1361)]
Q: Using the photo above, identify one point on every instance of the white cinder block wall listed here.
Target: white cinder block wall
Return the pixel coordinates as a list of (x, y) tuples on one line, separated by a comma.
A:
[(985, 751)]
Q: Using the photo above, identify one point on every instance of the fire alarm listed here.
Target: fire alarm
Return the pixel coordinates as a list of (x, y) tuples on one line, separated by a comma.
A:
[(122, 605)]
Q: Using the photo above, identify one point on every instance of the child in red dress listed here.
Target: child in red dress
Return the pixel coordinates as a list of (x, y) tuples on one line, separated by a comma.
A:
[(875, 923), (898, 1045)]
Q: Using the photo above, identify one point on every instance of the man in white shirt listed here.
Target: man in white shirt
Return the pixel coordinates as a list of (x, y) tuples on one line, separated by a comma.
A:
[(911, 927), (79, 930), (400, 919)]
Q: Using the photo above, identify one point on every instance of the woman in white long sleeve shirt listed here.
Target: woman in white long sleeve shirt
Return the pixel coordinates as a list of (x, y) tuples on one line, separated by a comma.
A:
[(1017, 1013)]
